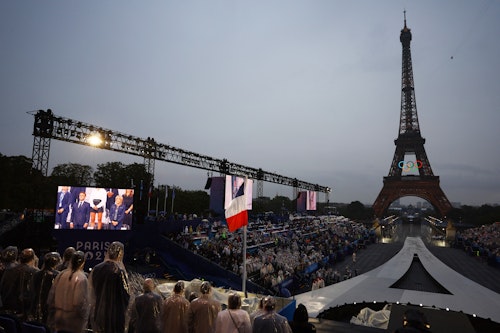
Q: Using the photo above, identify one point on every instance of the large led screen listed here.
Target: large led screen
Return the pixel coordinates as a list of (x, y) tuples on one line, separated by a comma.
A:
[(94, 208), (306, 201)]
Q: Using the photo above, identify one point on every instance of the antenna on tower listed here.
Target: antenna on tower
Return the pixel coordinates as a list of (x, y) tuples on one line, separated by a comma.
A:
[(404, 14)]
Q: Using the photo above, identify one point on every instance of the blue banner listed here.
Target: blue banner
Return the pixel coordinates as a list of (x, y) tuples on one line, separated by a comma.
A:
[(94, 243)]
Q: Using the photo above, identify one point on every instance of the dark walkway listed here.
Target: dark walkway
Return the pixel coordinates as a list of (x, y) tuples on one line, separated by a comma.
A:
[(471, 267), (374, 256)]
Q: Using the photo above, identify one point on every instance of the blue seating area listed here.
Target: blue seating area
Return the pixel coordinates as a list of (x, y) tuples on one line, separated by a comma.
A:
[(10, 324)]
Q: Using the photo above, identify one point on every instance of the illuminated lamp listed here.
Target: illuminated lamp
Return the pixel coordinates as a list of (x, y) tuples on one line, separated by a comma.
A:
[(94, 139)]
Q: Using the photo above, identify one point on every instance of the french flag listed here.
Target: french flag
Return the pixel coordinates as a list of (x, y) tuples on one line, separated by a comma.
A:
[(236, 213)]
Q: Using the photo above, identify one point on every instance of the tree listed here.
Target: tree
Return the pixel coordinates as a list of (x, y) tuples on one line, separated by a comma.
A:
[(137, 172), (119, 175), (356, 211), (21, 186), (111, 174), (280, 205), (189, 202), (72, 174)]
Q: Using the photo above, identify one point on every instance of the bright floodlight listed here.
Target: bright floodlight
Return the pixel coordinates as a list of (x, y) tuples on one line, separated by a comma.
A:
[(94, 140)]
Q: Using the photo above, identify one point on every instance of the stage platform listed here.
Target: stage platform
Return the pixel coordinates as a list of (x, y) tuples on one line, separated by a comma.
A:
[(378, 285)]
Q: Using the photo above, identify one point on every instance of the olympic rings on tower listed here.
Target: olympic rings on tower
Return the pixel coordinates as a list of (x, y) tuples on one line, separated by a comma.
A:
[(407, 166)]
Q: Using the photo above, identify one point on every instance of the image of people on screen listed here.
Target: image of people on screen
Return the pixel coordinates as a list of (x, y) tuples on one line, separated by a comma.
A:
[(117, 214), (94, 208), (311, 200), (128, 202), (111, 194), (64, 199), (80, 213), (97, 199)]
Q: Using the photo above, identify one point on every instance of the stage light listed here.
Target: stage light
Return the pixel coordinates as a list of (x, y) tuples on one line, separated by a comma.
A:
[(94, 140)]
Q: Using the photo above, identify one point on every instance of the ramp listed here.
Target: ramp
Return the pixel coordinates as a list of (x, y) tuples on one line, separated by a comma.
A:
[(375, 286)]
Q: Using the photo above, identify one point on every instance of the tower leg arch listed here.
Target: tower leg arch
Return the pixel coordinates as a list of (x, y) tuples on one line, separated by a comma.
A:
[(426, 188)]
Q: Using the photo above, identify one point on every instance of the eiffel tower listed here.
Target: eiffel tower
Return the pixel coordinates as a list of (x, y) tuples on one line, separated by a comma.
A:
[(413, 177)]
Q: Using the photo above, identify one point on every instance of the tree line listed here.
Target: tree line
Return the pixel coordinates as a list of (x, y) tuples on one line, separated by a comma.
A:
[(22, 187)]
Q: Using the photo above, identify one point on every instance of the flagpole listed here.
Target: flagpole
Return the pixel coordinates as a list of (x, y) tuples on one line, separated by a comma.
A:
[(244, 277), (236, 213)]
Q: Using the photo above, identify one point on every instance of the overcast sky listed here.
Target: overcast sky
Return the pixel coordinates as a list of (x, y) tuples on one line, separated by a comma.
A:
[(306, 89)]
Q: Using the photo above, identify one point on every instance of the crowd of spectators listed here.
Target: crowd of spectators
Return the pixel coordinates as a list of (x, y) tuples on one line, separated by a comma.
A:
[(483, 242), (299, 252), (105, 300), (66, 300)]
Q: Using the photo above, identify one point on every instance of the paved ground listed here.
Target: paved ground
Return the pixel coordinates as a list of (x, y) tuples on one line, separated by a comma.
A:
[(470, 267)]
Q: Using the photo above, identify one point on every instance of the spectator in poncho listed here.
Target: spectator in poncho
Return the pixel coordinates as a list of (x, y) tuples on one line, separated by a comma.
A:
[(16, 286), (110, 292), (203, 311), (145, 317), (270, 321), (175, 311), (68, 299), (42, 283)]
